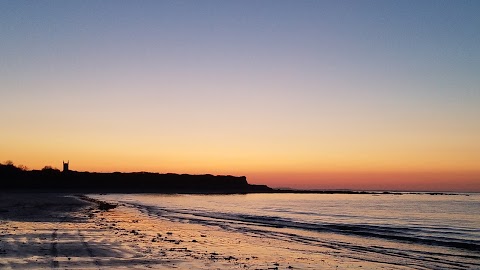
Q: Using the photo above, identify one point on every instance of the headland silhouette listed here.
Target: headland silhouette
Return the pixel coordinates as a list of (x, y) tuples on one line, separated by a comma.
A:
[(53, 180)]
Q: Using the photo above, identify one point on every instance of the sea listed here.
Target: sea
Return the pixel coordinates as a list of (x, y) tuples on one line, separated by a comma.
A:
[(415, 231)]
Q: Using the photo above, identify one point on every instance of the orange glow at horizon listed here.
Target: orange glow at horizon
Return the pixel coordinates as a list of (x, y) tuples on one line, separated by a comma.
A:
[(400, 181), (281, 171)]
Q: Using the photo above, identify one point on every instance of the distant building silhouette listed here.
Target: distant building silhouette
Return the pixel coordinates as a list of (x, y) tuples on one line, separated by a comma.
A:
[(65, 166)]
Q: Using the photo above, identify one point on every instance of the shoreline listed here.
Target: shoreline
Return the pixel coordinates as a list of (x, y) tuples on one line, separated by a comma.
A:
[(40, 231), (81, 231), (51, 230)]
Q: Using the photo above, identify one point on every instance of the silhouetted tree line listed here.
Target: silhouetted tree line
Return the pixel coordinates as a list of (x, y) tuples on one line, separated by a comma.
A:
[(52, 179)]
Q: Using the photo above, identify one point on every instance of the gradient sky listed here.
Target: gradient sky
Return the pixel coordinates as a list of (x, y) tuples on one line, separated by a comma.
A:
[(303, 94)]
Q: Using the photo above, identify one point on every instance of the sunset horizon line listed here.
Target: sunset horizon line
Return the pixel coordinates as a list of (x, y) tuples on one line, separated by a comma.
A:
[(325, 177)]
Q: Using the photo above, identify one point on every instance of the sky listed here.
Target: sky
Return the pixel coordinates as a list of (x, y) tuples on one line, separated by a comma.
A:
[(369, 95)]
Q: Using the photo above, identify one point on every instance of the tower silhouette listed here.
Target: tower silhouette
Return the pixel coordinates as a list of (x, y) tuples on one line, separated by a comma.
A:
[(65, 165)]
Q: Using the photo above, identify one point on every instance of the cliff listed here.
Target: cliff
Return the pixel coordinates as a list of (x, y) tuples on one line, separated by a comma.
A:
[(52, 180)]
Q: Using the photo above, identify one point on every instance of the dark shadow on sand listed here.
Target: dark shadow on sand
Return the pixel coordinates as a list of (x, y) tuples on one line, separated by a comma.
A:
[(40, 207)]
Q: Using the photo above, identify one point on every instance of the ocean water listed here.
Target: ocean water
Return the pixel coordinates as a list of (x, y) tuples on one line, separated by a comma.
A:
[(416, 231)]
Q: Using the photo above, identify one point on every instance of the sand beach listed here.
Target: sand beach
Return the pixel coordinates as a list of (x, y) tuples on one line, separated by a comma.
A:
[(45, 231)]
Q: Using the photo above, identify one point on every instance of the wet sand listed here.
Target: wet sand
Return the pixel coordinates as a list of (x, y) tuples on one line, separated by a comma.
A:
[(40, 231)]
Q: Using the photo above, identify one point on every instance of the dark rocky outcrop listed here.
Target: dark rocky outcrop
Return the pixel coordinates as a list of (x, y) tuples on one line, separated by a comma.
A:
[(53, 180)]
